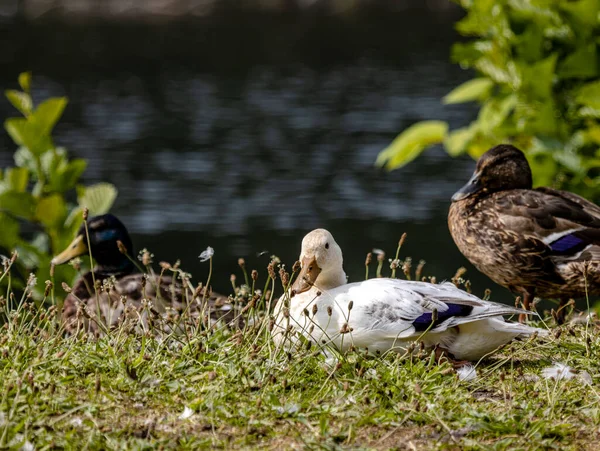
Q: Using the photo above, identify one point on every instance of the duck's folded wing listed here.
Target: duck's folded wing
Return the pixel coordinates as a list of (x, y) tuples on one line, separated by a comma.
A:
[(406, 309), (576, 236), (550, 224), (588, 206)]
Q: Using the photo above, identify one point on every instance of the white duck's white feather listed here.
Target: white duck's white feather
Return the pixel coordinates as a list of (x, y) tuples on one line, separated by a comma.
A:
[(383, 316)]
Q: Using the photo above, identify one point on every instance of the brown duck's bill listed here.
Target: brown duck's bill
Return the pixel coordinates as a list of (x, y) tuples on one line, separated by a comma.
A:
[(471, 187), (307, 277), (77, 247)]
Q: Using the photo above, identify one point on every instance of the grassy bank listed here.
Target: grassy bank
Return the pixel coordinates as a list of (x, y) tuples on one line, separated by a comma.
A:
[(227, 389)]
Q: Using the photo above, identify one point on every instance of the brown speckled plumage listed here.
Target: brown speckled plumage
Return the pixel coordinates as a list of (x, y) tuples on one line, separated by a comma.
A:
[(166, 297), (123, 295), (536, 242)]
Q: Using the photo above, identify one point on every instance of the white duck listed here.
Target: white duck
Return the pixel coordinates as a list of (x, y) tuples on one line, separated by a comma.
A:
[(383, 314)]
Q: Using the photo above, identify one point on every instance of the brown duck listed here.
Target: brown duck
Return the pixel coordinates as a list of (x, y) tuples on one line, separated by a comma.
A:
[(122, 291), (535, 242)]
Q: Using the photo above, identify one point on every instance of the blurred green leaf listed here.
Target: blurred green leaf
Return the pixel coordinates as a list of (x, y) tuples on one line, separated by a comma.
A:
[(97, 198), (25, 81), (49, 112), (589, 95), (411, 142), (494, 112), (10, 232), (585, 12), (530, 44), (20, 100), (539, 77), (51, 210), (457, 140), (475, 89), (580, 64), (67, 176), (29, 134), (18, 204), (17, 179)]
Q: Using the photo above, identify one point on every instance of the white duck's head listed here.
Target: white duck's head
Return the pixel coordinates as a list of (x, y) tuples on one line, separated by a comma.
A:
[(321, 260)]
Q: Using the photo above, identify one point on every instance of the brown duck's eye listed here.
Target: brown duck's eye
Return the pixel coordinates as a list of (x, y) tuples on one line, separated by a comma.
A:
[(326, 245), (310, 268)]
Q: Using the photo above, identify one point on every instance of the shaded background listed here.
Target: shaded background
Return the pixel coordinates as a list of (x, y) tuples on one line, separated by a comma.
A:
[(245, 124)]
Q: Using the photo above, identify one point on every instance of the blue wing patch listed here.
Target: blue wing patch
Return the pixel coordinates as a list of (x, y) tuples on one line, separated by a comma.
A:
[(568, 244), (425, 320)]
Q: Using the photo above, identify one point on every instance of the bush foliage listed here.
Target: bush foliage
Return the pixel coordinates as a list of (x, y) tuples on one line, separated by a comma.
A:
[(536, 64), (41, 197)]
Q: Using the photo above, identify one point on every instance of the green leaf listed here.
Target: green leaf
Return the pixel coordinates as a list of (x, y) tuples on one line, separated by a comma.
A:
[(494, 112), (25, 81), (17, 179), (97, 198), (411, 142), (589, 95), (51, 210), (502, 72), (10, 232), (585, 12), (477, 20), (580, 64), (530, 43), (465, 54), (456, 142), (73, 171), (20, 100), (544, 120), (538, 78), (27, 133), (67, 176), (18, 204), (49, 112), (475, 89)]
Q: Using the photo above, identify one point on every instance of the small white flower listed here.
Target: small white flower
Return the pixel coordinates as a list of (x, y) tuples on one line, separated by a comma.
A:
[(466, 373), (378, 251), (585, 377), (206, 254), (31, 281), (187, 413), (77, 422), (290, 409), (331, 361), (558, 371), (27, 446), (372, 373)]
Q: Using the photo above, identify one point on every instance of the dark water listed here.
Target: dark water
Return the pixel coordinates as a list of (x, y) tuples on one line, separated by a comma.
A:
[(244, 131)]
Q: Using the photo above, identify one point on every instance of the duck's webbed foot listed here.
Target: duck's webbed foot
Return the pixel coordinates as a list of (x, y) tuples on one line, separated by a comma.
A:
[(527, 298)]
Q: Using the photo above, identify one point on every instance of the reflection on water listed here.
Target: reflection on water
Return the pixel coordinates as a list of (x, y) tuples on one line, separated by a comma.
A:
[(244, 133)]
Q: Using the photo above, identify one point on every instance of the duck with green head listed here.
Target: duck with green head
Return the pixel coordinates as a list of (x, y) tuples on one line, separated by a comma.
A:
[(118, 279), (536, 242)]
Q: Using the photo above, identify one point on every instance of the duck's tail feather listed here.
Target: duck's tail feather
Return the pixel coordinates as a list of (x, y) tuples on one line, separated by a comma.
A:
[(523, 330)]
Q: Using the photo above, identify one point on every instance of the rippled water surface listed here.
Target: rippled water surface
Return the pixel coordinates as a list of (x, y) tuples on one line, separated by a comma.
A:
[(244, 131)]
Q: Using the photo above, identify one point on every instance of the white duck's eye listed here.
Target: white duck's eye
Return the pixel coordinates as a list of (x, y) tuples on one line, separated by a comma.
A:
[(326, 245)]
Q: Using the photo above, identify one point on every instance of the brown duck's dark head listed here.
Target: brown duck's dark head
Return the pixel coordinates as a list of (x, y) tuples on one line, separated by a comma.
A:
[(501, 168)]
